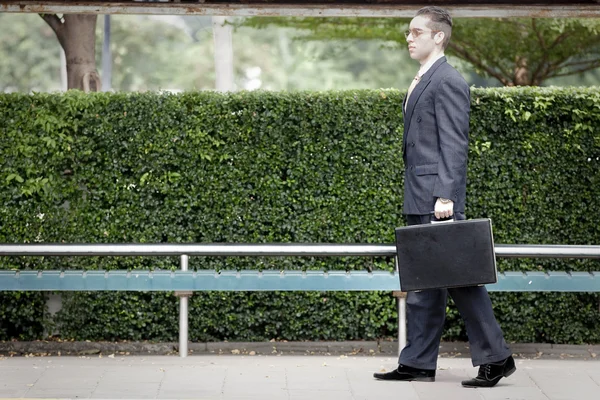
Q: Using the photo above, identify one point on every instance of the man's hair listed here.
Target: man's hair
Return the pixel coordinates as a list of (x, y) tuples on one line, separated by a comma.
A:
[(440, 21)]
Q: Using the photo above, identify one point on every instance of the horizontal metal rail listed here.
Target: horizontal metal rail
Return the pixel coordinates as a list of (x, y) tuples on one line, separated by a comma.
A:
[(200, 249), (210, 280), (291, 249)]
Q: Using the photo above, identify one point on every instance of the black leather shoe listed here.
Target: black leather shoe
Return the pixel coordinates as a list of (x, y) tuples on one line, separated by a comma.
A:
[(405, 373), (490, 374)]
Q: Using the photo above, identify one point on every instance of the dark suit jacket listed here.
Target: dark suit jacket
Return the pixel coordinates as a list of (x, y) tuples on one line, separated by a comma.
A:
[(436, 140)]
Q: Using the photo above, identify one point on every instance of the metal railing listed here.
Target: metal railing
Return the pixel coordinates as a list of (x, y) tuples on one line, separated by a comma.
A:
[(289, 250), (184, 251)]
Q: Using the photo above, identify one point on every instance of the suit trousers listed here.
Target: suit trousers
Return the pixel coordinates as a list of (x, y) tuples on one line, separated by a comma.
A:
[(426, 313)]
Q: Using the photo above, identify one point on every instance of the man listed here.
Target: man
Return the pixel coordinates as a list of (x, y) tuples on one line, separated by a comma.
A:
[(436, 128)]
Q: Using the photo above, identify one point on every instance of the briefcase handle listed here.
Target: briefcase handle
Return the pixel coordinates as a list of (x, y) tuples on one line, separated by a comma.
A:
[(440, 221)]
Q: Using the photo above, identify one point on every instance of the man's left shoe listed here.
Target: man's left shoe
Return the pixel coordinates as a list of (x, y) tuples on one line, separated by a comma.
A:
[(490, 374)]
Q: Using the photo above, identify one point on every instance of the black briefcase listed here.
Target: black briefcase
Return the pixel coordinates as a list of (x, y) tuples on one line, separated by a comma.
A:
[(446, 255)]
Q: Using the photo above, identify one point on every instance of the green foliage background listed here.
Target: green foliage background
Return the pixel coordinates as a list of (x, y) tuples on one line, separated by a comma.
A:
[(306, 167), (513, 51)]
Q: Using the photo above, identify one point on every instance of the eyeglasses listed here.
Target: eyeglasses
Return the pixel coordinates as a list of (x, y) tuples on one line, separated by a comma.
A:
[(417, 32)]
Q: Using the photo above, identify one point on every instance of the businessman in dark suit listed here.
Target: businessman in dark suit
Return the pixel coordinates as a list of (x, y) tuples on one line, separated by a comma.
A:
[(436, 136)]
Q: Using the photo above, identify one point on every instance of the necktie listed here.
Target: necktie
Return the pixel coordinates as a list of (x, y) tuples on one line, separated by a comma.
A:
[(412, 86)]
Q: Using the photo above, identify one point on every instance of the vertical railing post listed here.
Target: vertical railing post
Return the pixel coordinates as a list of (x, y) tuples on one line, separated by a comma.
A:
[(401, 323), (183, 313), (401, 303)]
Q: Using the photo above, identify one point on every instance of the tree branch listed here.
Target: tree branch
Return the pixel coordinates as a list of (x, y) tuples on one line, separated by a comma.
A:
[(544, 60), (469, 48), (56, 25), (538, 34), (54, 22), (558, 40), (578, 71), (560, 64), (477, 62), (550, 69), (555, 67), (572, 64)]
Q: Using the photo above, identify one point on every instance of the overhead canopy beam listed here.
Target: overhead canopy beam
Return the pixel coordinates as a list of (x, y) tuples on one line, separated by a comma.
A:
[(372, 8)]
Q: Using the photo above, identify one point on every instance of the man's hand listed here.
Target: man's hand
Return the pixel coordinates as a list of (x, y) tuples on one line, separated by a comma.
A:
[(444, 208)]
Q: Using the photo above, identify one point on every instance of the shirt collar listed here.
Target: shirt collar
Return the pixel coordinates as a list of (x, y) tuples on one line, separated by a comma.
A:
[(423, 70)]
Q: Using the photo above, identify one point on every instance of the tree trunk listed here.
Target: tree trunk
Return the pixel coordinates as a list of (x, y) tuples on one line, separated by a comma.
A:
[(77, 36), (521, 77)]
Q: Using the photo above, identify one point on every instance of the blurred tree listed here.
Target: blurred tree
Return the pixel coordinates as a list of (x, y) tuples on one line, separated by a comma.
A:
[(76, 34), (289, 64), (148, 54), (272, 57), (29, 54), (177, 53), (590, 78), (156, 53), (514, 51)]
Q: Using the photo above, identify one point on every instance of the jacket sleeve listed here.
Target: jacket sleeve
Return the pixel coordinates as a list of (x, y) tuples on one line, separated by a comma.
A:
[(452, 109)]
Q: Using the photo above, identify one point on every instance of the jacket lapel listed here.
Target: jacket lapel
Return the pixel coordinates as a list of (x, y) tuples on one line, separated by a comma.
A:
[(416, 93)]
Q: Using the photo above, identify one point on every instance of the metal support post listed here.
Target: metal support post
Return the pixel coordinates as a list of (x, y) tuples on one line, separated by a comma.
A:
[(401, 303), (106, 57), (183, 313), (222, 33), (401, 323)]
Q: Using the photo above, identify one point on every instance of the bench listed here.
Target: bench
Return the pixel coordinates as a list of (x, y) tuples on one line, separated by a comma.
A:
[(184, 282)]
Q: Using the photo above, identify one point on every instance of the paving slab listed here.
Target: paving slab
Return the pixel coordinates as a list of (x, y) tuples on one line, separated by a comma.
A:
[(285, 377)]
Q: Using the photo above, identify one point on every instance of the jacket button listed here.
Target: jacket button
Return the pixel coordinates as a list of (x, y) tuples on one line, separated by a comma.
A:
[(418, 119), (412, 167), (412, 144)]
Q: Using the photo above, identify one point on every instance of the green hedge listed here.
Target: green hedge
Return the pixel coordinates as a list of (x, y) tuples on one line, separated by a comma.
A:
[(282, 167)]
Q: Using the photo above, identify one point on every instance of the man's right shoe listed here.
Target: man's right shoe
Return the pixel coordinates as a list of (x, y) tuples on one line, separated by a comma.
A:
[(407, 374)]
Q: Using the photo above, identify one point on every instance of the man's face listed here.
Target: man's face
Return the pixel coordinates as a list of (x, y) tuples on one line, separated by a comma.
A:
[(421, 42)]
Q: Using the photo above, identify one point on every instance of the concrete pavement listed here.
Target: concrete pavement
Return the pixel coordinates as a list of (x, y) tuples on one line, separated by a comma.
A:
[(288, 377)]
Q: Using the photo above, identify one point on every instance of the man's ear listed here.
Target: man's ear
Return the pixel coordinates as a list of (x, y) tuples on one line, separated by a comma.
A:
[(439, 37)]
